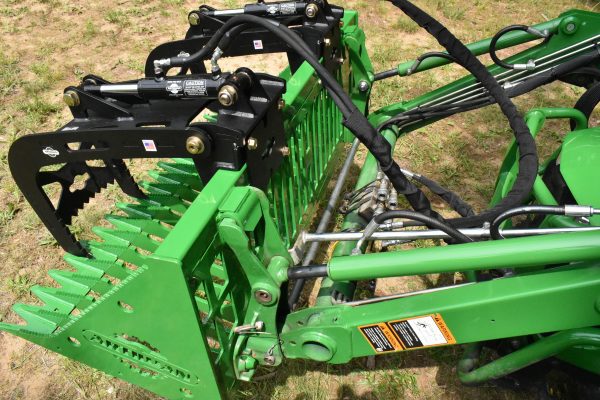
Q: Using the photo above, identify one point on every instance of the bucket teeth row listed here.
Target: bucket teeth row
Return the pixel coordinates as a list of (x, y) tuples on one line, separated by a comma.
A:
[(58, 299), (151, 227), (180, 166), (172, 189), (78, 282), (122, 237), (123, 249), (40, 319), (174, 177), (160, 213), (97, 267)]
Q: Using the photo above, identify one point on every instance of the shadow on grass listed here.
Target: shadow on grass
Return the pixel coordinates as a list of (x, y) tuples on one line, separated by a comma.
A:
[(393, 376)]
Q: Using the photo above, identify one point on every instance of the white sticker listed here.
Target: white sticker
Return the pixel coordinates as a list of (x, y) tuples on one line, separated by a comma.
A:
[(195, 88), (258, 45), (174, 87), (149, 145), (427, 331), (72, 128), (50, 152)]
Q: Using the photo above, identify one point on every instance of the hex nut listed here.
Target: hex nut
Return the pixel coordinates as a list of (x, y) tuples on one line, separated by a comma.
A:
[(311, 10), (228, 95), (252, 143)]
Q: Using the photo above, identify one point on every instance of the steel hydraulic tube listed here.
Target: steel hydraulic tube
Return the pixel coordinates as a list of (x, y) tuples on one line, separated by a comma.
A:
[(352, 222), (510, 253)]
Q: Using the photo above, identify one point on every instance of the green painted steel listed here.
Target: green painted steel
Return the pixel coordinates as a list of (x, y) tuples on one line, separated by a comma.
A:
[(182, 294), (314, 130), (206, 255), (584, 25), (510, 253), (579, 160), (579, 165), (545, 347), (129, 311), (549, 301)]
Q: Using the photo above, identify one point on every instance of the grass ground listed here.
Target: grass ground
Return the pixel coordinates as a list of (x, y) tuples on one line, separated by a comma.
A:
[(50, 44)]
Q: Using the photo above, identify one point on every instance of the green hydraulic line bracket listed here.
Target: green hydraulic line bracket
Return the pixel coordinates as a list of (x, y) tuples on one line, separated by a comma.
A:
[(543, 348)]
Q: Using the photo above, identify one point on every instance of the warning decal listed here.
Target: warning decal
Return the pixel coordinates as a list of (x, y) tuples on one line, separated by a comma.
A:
[(406, 334), (380, 337)]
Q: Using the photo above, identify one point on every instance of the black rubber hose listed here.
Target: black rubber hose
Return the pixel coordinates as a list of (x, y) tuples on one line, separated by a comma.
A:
[(307, 272), (503, 32), (394, 72), (528, 161), (428, 221), (386, 74), (354, 119), (425, 56), (587, 102), (440, 111), (451, 198), (540, 210), (230, 29)]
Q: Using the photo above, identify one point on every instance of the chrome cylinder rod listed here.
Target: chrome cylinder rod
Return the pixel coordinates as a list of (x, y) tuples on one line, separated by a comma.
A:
[(475, 233)]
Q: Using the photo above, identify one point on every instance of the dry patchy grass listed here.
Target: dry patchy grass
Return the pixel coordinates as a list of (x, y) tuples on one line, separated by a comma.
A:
[(50, 44)]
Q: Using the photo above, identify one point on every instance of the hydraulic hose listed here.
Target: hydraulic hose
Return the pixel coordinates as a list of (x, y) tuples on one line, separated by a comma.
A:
[(528, 161), (502, 32), (354, 119), (428, 221), (567, 210)]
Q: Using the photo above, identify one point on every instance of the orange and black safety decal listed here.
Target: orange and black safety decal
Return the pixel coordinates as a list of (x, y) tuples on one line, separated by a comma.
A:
[(380, 337), (406, 334)]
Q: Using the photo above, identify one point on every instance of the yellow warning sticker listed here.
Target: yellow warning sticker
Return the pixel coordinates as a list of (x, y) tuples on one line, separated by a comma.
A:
[(406, 334), (380, 337)]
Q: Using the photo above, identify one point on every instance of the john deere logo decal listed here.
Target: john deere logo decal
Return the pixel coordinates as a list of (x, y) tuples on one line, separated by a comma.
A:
[(50, 152)]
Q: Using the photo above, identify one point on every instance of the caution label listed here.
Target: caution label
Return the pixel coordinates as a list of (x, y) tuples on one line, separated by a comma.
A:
[(380, 337), (406, 334)]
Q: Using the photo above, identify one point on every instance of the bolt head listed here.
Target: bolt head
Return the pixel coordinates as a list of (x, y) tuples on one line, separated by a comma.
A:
[(195, 145), (311, 10), (327, 42), (363, 86), (71, 98), (194, 19), (285, 151), (269, 360), (252, 144), (262, 296), (228, 95)]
